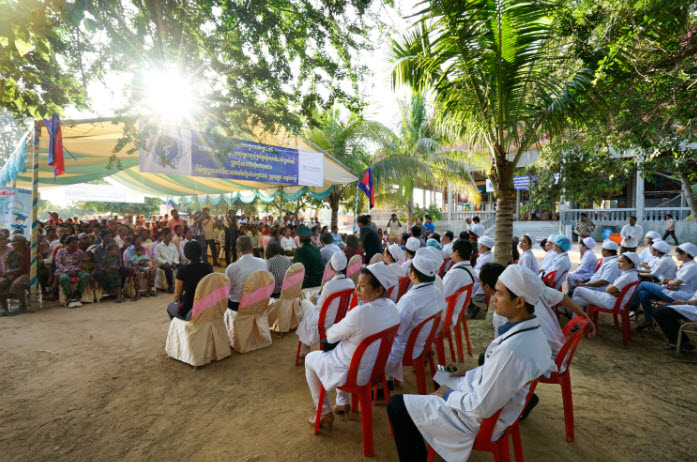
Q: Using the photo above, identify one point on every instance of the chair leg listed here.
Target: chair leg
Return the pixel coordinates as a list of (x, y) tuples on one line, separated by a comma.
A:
[(420, 372), (450, 344), (568, 402), (385, 390), (318, 417), (614, 316), (517, 444), (440, 350), (297, 355), (367, 421), (355, 403), (626, 327), (501, 450), (431, 454), (467, 335), (432, 367)]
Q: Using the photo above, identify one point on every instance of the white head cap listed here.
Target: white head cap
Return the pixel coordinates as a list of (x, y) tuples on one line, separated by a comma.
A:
[(396, 252), (384, 274), (413, 244), (427, 261), (552, 238), (661, 246), (486, 241), (653, 235), (689, 248), (522, 282), (610, 245), (589, 242), (633, 257), (533, 241), (338, 261)]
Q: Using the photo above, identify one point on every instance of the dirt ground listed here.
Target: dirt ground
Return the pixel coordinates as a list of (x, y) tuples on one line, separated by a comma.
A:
[(94, 383)]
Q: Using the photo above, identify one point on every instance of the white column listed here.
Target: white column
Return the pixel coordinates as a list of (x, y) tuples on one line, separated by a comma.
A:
[(639, 195), (450, 205)]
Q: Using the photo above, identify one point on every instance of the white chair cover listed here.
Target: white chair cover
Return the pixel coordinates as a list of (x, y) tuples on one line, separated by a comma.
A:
[(285, 313), (353, 268), (248, 327)]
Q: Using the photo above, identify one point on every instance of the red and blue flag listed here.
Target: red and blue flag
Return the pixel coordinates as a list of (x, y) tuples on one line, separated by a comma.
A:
[(366, 185), (55, 145)]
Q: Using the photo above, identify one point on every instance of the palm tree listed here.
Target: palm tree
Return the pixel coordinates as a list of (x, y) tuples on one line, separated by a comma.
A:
[(499, 78), (414, 155)]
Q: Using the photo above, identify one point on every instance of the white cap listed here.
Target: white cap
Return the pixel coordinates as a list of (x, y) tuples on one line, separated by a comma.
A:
[(413, 244), (661, 246), (384, 274), (396, 252), (689, 248), (486, 241), (610, 245), (633, 257), (522, 282), (589, 242), (427, 261), (653, 235), (533, 241), (338, 261), (552, 238)]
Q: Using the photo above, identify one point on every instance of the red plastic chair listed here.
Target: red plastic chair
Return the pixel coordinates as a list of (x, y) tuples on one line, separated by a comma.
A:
[(617, 310), (564, 379), (419, 363), (377, 377), (403, 286), (600, 263), (447, 327), (548, 278), (498, 448), (441, 271), (345, 299)]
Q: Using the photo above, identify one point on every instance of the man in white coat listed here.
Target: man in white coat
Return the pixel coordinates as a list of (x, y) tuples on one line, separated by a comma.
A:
[(485, 244), (608, 271), (422, 301), (449, 419), (589, 262), (459, 275)]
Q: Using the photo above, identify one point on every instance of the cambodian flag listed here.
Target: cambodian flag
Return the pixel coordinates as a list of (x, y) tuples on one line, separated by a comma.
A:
[(55, 145), (367, 186)]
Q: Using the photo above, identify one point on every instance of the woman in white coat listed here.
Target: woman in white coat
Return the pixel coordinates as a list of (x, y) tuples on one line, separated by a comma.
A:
[(589, 262), (548, 246), (484, 246), (527, 258), (449, 419), (627, 263), (307, 331), (560, 262), (330, 368), (393, 255)]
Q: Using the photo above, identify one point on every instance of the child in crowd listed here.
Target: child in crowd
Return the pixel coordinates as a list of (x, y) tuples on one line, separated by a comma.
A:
[(110, 266), (88, 264), (140, 259)]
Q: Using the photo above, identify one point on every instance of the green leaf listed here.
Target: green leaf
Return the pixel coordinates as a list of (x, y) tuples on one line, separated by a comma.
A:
[(22, 46)]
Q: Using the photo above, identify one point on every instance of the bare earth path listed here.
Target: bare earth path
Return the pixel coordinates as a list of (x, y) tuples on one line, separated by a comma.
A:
[(95, 384)]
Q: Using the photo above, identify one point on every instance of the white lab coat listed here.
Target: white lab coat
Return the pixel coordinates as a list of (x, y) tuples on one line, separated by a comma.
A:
[(647, 257), (512, 360), (527, 260), (420, 302), (585, 269), (478, 229), (459, 275), (688, 275), (689, 311), (549, 256), (361, 322), (631, 236), (307, 331), (664, 267), (482, 260), (447, 250), (584, 296), (405, 267), (561, 264), (608, 272)]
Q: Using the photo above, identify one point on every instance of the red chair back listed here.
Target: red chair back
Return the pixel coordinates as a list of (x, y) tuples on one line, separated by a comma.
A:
[(385, 337), (572, 341), (548, 279), (464, 291), (344, 297), (408, 359), (441, 271), (625, 296), (559, 282), (403, 286), (600, 263), (486, 429)]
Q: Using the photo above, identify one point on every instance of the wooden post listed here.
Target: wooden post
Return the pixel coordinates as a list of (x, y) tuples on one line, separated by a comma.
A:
[(34, 267)]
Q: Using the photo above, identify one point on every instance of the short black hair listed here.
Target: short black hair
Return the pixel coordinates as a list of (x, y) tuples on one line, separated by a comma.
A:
[(449, 234), (528, 306), (611, 252), (274, 249), (463, 248), (419, 275), (464, 235), (363, 219), (543, 243), (668, 215), (490, 273), (327, 238), (416, 231), (429, 217), (475, 219), (632, 217), (435, 236), (583, 214)]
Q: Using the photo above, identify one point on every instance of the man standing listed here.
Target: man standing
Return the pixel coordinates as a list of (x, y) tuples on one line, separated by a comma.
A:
[(369, 238), (430, 227), (239, 271), (209, 233), (394, 227), (167, 258), (477, 228), (176, 220), (422, 228), (231, 234), (309, 255), (631, 234), (670, 228), (584, 227)]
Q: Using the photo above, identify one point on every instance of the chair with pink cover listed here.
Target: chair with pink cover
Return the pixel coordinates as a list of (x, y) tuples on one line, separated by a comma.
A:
[(248, 327), (285, 313), (377, 258), (354, 267), (203, 338)]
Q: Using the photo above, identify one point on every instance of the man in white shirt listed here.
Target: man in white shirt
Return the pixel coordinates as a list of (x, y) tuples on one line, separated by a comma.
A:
[(485, 256), (187, 238), (447, 241), (329, 248), (288, 243), (631, 234), (460, 273), (239, 271), (167, 257), (607, 272), (477, 228)]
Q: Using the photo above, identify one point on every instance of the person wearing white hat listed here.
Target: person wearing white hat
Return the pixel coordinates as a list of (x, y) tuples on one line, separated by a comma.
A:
[(681, 287), (393, 254), (607, 272), (627, 263), (589, 262), (646, 255), (422, 301), (459, 275), (449, 419), (663, 265), (330, 368), (484, 246), (549, 256), (413, 244), (307, 331), (527, 258), (560, 263)]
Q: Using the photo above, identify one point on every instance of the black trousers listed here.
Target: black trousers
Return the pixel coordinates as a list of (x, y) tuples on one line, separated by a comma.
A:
[(230, 254), (169, 275), (210, 244), (233, 305), (204, 249), (669, 321), (672, 234), (410, 444)]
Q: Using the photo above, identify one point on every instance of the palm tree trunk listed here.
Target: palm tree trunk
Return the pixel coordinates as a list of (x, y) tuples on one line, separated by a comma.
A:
[(503, 233), (687, 191), (334, 199), (410, 210)]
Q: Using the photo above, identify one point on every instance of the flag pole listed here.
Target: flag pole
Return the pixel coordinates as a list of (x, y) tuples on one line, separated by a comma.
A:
[(355, 207), (34, 267)]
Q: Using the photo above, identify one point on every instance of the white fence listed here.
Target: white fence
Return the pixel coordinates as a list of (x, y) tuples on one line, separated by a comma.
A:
[(617, 216)]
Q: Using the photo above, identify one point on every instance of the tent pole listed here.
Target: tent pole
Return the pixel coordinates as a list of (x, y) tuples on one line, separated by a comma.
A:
[(34, 267), (355, 208)]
